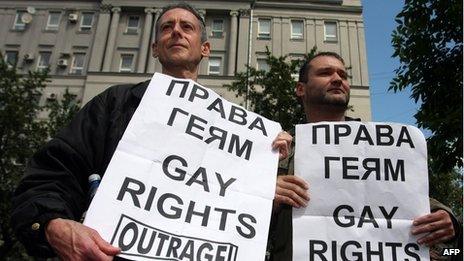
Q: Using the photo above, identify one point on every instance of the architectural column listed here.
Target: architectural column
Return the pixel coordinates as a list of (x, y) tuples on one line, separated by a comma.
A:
[(142, 61), (244, 26), (153, 62), (96, 59), (232, 43), (111, 39)]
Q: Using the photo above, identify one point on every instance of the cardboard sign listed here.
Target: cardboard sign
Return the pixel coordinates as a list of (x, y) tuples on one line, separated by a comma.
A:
[(368, 181), (193, 178)]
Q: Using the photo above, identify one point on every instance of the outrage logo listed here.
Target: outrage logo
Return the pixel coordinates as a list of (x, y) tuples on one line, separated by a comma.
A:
[(140, 240)]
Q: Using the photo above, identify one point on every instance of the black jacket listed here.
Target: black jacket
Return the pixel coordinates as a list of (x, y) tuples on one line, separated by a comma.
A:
[(56, 179)]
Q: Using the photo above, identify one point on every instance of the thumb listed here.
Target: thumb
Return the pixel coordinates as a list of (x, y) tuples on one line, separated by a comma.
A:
[(105, 247)]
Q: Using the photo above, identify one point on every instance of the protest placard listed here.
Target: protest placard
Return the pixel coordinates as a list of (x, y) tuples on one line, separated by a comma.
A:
[(193, 178), (368, 181)]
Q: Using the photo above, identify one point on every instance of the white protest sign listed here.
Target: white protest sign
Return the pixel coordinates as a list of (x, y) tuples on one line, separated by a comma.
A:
[(193, 178), (368, 181)]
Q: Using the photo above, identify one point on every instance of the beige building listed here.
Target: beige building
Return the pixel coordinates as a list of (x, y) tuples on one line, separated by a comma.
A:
[(90, 45)]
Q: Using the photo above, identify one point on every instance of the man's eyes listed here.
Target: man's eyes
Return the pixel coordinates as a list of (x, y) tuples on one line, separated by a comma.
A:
[(342, 75), (165, 27), (187, 26), (184, 26)]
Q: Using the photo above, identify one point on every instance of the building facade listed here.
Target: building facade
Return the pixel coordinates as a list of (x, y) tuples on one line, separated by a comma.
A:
[(90, 45)]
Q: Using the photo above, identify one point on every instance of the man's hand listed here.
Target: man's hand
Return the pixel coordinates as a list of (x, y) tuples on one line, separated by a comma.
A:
[(291, 190), (438, 226), (73, 241), (282, 143)]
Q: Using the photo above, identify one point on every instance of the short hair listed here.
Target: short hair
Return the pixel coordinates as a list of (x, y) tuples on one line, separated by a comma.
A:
[(303, 76), (189, 8)]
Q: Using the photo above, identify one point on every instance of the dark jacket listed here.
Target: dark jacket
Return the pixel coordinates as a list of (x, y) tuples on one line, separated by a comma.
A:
[(56, 179)]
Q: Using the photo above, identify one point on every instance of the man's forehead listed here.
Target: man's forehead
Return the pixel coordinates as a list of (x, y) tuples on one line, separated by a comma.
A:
[(326, 61), (180, 14)]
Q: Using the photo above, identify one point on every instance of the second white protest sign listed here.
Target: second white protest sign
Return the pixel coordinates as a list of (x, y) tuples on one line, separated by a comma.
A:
[(368, 181)]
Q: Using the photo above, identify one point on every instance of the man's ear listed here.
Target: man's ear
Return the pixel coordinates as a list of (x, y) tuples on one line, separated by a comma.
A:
[(205, 49), (154, 49), (300, 89)]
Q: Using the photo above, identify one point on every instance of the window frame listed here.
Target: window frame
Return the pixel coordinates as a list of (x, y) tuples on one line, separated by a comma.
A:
[(18, 24), (217, 33), (6, 57), (214, 58), (294, 36), (74, 69), (40, 67), (131, 68), (261, 34), (51, 27), (258, 66), (330, 38), (130, 29), (86, 28)]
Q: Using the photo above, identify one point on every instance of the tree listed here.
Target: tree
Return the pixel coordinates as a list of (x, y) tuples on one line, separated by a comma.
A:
[(272, 92), (21, 134), (428, 43)]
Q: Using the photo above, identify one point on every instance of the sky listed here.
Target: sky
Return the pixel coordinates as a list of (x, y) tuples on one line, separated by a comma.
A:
[(379, 23)]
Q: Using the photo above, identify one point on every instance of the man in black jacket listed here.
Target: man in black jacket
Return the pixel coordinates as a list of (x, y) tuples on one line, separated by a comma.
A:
[(53, 194), (325, 93)]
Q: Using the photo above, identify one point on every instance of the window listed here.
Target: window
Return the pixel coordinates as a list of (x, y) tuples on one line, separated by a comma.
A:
[(44, 60), (133, 24), (263, 65), (19, 24), (53, 21), (214, 67), (330, 31), (86, 22), (264, 28), (77, 66), (297, 29), (217, 28), (11, 58), (126, 62)]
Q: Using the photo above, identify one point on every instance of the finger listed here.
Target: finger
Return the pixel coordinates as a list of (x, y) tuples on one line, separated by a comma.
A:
[(300, 192), (435, 237), (282, 137), (104, 246), (430, 227), (97, 254), (435, 216), (293, 196), (281, 147), (279, 199), (295, 180)]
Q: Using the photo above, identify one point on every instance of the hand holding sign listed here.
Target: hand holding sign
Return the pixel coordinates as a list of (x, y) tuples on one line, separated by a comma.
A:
[(73, 241), (291, 190), (282, 143), (437, 225)]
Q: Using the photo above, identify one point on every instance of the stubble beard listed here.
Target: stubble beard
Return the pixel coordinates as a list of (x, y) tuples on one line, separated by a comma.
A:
[(335, 104)]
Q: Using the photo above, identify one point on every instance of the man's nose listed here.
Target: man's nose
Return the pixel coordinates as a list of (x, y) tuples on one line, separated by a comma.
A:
[(336, 78), (177, 30)]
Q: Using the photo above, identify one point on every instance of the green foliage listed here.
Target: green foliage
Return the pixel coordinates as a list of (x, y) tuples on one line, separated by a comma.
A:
[(61, 112), (272, 93), (447, 188), (428, 43), (21, 134)]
